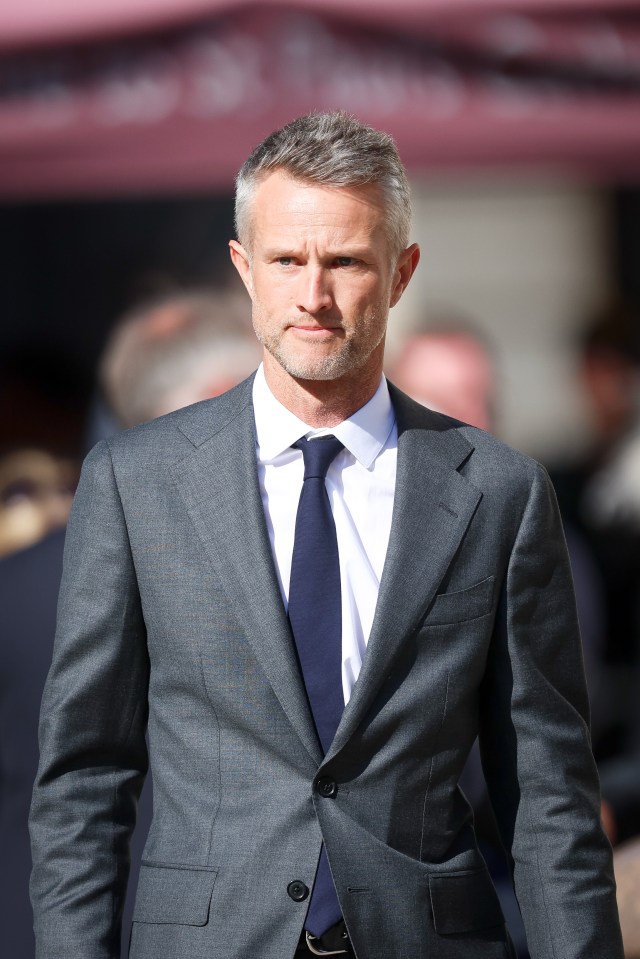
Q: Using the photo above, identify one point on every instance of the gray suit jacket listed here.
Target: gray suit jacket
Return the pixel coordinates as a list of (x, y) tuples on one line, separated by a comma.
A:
[(170, 613)]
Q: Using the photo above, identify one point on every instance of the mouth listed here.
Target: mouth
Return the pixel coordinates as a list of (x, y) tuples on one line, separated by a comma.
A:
[(314, 331)]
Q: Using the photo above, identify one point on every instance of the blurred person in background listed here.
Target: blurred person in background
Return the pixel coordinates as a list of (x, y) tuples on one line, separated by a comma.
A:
[(600, 494), (161, 355), (36, 492), (29, 585), (184, 348), (448, 365)]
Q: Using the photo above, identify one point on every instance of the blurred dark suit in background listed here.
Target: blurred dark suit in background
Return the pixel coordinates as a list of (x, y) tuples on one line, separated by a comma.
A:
[(29, 583)]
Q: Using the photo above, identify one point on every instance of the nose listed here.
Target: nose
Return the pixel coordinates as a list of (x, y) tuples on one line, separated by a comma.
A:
[(314, 291)]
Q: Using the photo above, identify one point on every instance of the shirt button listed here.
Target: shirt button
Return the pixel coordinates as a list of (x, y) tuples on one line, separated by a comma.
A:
[(297, 890), (327, 787)]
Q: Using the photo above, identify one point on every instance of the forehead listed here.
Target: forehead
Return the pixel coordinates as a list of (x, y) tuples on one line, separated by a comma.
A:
[(286, 206)]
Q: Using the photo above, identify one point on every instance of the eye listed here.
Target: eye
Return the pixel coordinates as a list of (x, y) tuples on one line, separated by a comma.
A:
[(285, 260), (345, 261)]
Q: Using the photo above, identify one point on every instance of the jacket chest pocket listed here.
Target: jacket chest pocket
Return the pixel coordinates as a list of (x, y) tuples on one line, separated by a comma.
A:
[(462, 604)]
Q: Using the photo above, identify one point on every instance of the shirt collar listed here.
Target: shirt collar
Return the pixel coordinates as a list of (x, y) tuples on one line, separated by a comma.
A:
[(364, 434)]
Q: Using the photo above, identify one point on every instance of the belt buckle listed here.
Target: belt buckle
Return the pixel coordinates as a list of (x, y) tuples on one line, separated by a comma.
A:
[(321, 952)]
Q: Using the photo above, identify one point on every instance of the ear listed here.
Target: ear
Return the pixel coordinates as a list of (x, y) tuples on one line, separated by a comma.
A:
[(240, 259), (407, 262)]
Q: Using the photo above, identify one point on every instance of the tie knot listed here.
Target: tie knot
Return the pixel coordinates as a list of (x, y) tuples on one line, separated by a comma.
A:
[(318, 454)]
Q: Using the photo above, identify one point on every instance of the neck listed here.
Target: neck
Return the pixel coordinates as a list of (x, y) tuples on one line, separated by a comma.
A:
[(322, 402)]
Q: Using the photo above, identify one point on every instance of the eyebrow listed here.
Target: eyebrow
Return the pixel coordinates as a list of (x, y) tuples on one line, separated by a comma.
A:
[(357, 252)]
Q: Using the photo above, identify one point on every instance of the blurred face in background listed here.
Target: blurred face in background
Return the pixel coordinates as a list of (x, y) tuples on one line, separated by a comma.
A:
[(36, 492), (451, 373), (612, 386)]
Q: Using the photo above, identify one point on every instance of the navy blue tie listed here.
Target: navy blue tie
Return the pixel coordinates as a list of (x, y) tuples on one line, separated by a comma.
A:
[(315, 614)]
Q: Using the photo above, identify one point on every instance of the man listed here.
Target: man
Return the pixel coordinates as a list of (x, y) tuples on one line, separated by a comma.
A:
[(427, 590)]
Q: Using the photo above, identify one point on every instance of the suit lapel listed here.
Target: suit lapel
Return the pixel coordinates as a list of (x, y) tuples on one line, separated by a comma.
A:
[(219, 484), (432, 508)]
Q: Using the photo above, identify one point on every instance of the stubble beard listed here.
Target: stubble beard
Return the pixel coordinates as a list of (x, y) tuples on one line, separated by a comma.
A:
[(347, 357)]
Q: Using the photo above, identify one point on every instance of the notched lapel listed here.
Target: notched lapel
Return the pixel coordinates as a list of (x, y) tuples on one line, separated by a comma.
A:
[(433, 506), (219, 485)]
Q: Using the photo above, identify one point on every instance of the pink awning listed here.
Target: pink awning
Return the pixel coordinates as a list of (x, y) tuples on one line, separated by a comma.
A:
[(25, 23), (156, 95)]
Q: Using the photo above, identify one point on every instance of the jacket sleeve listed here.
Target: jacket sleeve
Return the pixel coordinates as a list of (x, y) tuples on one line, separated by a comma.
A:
[(536, 749), (93, 755)]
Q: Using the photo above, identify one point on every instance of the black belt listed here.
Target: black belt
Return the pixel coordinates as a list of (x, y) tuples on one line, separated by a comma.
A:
[(334, 942)]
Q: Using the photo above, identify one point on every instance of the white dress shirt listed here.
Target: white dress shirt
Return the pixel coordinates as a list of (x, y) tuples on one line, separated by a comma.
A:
[(360, 483)]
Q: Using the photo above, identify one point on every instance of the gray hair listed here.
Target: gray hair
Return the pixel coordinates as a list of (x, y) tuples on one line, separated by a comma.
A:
[(333, 149), (174, 351)]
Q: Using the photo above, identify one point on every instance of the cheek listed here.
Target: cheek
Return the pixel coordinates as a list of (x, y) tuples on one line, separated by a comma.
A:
[(265, 315), (271, 294), (373, 306)]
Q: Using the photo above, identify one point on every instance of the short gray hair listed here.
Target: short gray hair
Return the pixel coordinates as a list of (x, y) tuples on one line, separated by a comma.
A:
[(333, 149)]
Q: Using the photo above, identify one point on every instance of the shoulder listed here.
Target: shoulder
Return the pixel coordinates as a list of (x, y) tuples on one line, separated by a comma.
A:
[(169, 435), (146, 453)]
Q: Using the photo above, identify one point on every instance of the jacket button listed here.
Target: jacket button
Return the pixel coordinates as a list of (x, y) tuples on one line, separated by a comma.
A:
[(327, 787), (297, 890)]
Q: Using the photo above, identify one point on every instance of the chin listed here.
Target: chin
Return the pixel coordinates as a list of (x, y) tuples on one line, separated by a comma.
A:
[(331, 368)]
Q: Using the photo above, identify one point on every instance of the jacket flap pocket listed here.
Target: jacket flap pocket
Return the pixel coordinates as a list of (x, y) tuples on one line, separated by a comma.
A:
[(174, 894), (464, 902), (463, 604)]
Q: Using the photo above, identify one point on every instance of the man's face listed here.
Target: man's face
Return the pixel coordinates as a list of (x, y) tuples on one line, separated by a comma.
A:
[(321, 275)]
